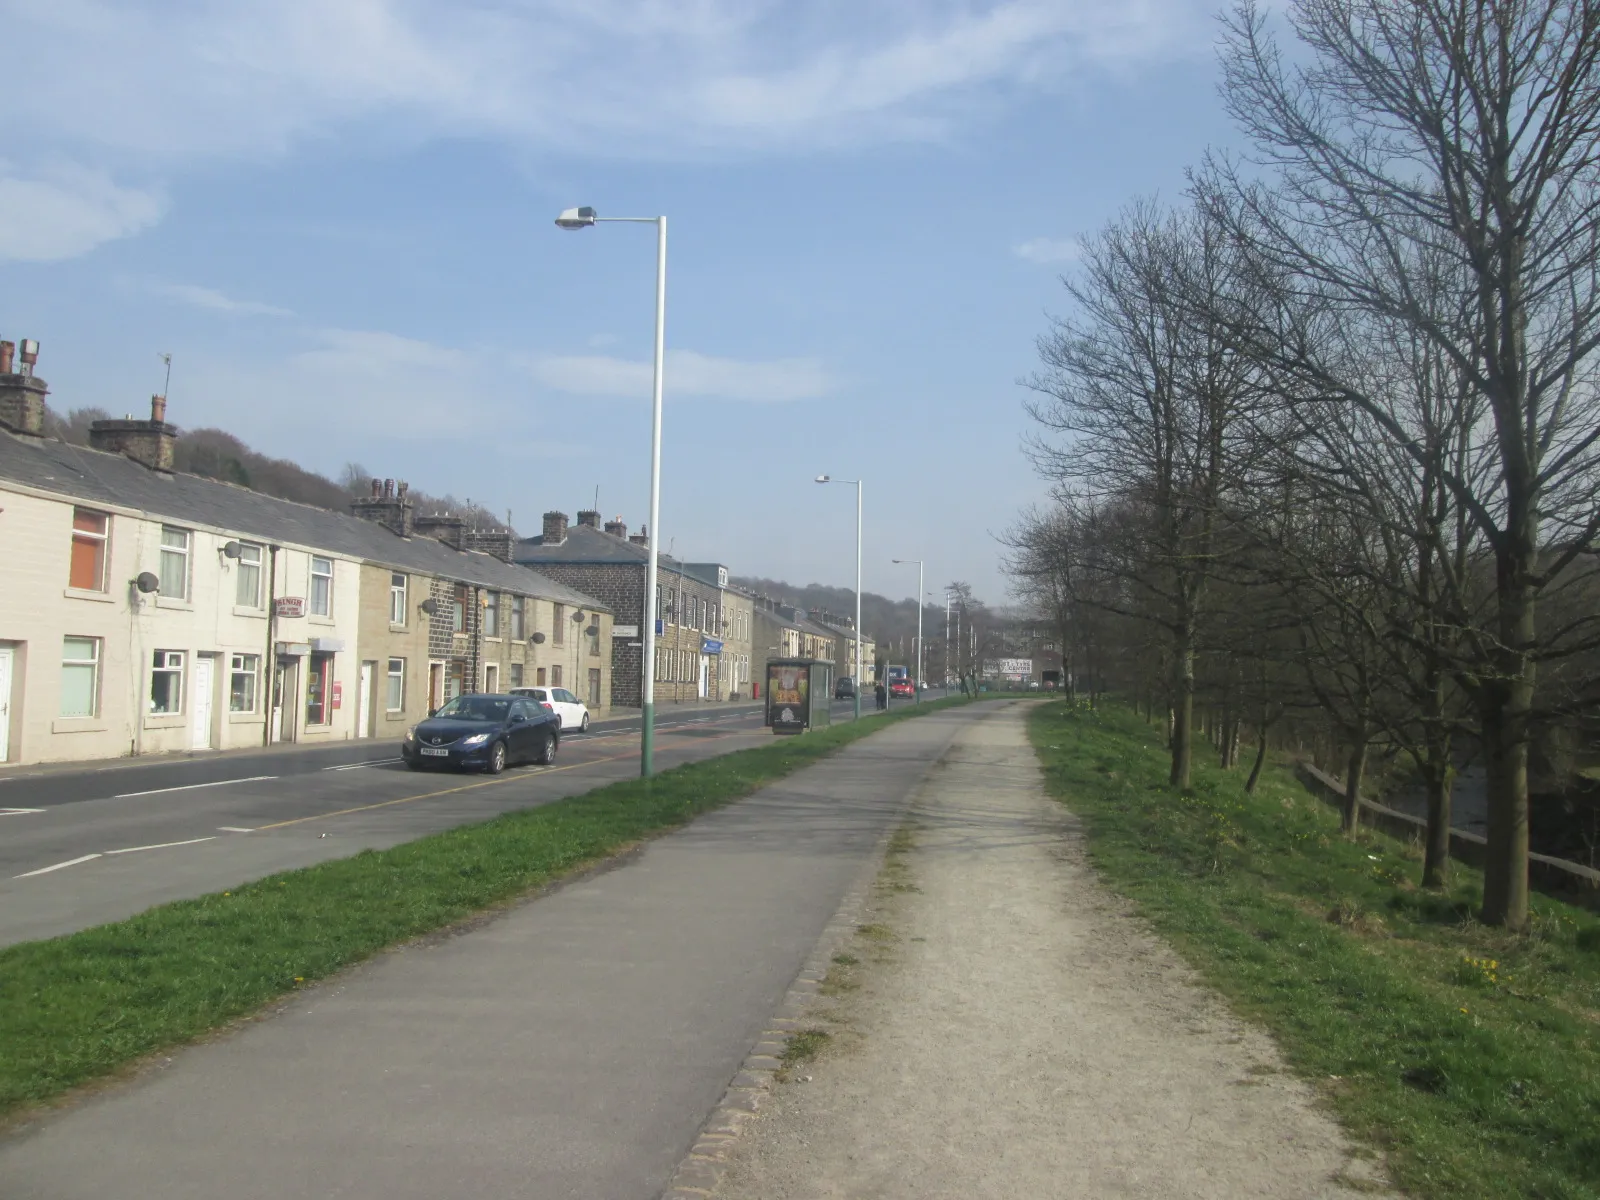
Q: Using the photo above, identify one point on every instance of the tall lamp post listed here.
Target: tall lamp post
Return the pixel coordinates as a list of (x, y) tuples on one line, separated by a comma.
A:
[(918, 561), (859, 665), (582, 218)]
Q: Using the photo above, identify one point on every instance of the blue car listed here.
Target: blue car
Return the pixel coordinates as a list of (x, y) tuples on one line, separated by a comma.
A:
[(484, 731)]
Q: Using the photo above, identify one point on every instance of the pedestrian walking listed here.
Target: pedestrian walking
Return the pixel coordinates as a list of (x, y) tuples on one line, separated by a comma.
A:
[(883, 697)]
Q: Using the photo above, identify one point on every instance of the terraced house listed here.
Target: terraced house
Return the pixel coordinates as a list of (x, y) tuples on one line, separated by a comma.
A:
[(151, 611)]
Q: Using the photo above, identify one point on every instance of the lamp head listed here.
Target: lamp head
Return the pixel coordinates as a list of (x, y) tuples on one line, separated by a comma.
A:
[(824, 479), (576, 218)]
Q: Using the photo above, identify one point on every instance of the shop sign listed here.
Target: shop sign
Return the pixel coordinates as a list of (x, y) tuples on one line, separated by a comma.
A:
[(289, 606), (338, 693), (624, 631), (710, 646)]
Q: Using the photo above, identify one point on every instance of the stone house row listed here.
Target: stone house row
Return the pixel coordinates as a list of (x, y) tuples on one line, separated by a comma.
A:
[(151, 611)]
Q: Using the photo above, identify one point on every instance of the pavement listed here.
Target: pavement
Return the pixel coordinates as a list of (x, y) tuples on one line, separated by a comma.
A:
[(1010, 1029), (107, 840), (571, 1046)]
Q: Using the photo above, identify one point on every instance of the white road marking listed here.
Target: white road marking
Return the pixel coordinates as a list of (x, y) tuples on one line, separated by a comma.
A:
[(71, 862), (371, 762), (17, 812), (162, 845), (233, 829), (189, 787)]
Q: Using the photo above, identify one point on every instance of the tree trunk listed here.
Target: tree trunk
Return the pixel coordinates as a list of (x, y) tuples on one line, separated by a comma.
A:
[(1507, 708), (1436, 855), (1355, 772), (1182, 712), (1261, 758)]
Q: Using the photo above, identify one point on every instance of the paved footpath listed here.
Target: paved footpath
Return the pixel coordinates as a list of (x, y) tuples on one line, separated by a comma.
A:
[(571, 1047), (1022, 1035)]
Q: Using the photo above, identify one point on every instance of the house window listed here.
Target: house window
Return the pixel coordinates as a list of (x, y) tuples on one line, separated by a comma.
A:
[(458, 609), (667, 609), (318, 711), (555, 676), (516, 675), (321, 587), (247, 586), (593, 634), (558, 633), (538, 677), (174, 563), (396, 700), (244, 674), (88, 569), (80, 676), (397, 599), (518, 623), (166, 682), (491, 678), (491, 615)]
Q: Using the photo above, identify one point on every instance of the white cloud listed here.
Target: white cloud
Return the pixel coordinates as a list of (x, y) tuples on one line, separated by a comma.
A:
[(1050, 251), (65, 211), (215, 301), (686, 373)]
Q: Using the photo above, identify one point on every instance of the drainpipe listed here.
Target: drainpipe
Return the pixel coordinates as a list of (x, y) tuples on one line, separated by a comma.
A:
[(269, 665)]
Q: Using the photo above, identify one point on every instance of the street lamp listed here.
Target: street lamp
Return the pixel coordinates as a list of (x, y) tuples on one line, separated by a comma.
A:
[(918, 561), (857, 484), (582, 218)]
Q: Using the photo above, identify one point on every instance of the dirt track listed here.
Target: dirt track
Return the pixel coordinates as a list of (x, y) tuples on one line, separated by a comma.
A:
[(1017, 1033)]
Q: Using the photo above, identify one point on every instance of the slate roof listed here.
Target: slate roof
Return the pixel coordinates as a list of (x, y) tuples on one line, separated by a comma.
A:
[(78, 473), (587, 546)]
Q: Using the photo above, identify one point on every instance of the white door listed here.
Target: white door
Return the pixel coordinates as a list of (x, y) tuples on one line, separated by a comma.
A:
[(705, 674), (571, 714), (364, 701), (5, 701), (200, 691)]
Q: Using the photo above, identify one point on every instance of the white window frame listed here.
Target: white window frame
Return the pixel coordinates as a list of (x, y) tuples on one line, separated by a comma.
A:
[(180, 554), (171, 663), (244, 566), (397, 597), (393, 676), (311, 591), (102, 540), (93, 663), (250, 665), (519, 619), (491, 613)]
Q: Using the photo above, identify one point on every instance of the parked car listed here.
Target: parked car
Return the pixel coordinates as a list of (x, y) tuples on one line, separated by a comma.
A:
[(574, 713), (483, 730), (844, 688), (901, 687)]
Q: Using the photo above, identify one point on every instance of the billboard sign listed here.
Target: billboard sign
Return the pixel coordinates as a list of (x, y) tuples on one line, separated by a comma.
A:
[(1015, 668), (788, 696)]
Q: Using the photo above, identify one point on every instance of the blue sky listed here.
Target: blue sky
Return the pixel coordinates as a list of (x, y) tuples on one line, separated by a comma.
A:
[(336, 215)]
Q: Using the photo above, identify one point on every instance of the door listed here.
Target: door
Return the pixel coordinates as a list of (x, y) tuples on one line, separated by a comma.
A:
[(524, 736), (594, 687), (201, 691), (5, 701), (435, 686), (705, 674), (283, 701), (364, 700), (566, 708)]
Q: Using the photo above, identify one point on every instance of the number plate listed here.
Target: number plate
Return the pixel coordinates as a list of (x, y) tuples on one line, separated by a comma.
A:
[(435, 753)]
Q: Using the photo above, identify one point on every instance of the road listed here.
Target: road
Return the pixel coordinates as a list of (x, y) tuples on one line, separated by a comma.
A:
[(83, 847)]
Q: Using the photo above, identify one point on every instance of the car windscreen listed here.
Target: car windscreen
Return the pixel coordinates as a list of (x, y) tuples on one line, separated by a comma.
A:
[(477, 708)]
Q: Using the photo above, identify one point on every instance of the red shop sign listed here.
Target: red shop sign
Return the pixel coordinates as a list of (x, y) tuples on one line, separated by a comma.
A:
[(338, 693)]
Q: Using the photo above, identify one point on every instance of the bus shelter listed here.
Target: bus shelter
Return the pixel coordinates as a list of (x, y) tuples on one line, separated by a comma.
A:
[(799, 694)]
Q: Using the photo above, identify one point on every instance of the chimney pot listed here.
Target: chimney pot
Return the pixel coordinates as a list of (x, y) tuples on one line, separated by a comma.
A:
[(7, 351), (158, 409)]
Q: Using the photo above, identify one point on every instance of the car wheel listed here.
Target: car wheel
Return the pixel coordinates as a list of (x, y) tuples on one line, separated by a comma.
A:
[(497, 758), (413, 765), (583, 727), (547, 752)]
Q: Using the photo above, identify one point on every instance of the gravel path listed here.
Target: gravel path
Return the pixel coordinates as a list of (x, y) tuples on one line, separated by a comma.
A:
[(1013, 1031)]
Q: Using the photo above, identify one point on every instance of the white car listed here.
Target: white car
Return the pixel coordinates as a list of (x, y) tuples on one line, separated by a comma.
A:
[(574, 713)]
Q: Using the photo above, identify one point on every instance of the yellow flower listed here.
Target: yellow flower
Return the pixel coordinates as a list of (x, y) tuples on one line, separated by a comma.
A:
[(227, 893), (1463, 1010), (302, 979)]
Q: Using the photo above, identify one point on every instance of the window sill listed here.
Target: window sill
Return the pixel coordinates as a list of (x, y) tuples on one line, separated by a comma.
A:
[(398, 714), (164, 720), (317, 619), (244, 718), (247, 610), (490, 637), (393, 628), (167, 602), (78, 725), (73, 593)]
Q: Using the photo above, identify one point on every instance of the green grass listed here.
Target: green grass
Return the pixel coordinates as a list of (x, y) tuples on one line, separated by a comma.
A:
[(77, 1008), (1469, 1056)]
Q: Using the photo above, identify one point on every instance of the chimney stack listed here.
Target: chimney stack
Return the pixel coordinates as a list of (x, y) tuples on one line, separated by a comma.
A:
[(451, 531), (555, 528), (388, 505), (149, 442), (21, 392), (642, 538), (502, 543), (589, 517), (617, 528)]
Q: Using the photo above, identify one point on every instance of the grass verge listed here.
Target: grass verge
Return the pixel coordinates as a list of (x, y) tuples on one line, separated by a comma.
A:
[(77, 1008), (1470, 1056)]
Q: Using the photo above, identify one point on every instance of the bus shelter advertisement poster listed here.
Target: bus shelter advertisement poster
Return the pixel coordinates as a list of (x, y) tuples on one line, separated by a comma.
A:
[(789, 688)]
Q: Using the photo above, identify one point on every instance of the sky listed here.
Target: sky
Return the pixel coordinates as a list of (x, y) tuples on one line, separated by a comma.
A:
[(337, 217)]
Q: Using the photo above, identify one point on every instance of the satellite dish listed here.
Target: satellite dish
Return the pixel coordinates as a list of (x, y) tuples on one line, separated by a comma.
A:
[(232, 549), (593, 631), (429, 606), (147, 582), (537, 639), (577, 616)]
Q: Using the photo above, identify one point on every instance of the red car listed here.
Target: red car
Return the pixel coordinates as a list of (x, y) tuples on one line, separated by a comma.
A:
[(902, 688)]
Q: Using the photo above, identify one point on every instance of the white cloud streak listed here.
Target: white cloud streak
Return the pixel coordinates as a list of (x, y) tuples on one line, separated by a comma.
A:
[(1049, 251), (686, 373), (214, 301), (64, 211)]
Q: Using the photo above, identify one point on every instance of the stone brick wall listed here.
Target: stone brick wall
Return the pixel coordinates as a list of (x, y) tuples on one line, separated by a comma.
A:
[(620, 587)]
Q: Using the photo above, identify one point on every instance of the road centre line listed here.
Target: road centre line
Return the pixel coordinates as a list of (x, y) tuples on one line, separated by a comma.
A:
[(189, 787), (233, 829), (17, 812), (71, 862), (371, 762), (163, 845)]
